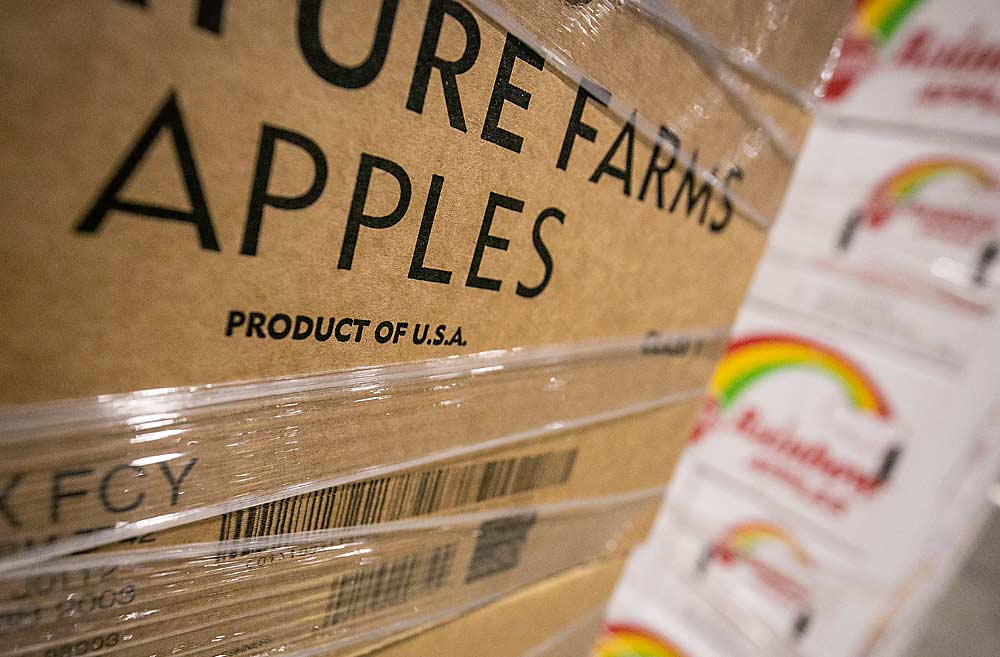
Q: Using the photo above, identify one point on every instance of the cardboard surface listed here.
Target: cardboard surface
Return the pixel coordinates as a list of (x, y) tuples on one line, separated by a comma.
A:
[(790, 40), (223, 210), (853, 436), (342, 590), (100, 487), (565, 466), (525, 621)]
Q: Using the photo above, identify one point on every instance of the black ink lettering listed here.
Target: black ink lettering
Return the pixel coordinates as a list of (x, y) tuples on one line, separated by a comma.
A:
[(626, 135), (361, 324), (383, 332), (666, 135), (357, 218), (702, 195), (236, 319), (58, 494), (256, 325), (167, 117), (419, 337), (450, 70), (576, 126), (342, 336), (261, 198), (303, 327), (209, 16), (505, 91), (486, 240), (543, 252), (106, 481), (286, 326), (399, 332), (7, 512), (175, 482), (346, 77), (323, 336), (735, 173), (417, 269)]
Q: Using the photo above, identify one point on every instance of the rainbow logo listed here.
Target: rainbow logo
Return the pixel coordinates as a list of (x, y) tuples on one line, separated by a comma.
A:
[(742, 541), (875, 23), (906, 183), (878, 20), (754, 357), (630, 641)]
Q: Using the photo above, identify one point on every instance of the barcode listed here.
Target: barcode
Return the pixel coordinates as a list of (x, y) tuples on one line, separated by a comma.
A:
[(395, 497), (498, 545), (388, 584)]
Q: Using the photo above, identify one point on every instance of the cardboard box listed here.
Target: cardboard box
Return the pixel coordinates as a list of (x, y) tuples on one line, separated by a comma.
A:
[(189, 194), (340, 589), (929, 65), (852, 438), (666, 615), (556, 618), (103, 487), (840, 431), (912, 215), (793, 55), (565, 466)]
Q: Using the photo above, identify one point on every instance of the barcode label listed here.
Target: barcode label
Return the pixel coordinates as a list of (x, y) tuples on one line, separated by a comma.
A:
[(389, 584), (396, 497), (498, 545)]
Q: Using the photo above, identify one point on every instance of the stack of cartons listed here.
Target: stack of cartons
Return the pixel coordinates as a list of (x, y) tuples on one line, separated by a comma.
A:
[(842, 467), (325, 325)]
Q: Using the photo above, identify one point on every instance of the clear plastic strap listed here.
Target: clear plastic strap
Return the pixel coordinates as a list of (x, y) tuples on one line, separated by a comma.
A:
[(708, 55), (719, 60), (664, 12), (146, 461), (317, 591), (29, 421)]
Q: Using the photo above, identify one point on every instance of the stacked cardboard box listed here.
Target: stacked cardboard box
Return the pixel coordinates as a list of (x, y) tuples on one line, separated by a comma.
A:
[(326, 324), (841, 468)]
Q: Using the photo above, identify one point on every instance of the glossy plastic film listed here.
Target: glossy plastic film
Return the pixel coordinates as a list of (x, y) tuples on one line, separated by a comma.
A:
[(626, 163), (733, 101), (117, 467), (319, 591)]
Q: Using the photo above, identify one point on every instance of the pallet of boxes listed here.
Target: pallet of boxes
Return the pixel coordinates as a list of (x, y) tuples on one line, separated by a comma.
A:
[(233, 228)]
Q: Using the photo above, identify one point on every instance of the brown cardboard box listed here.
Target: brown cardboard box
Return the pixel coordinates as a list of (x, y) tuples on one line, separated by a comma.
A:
[(185, 190), (559, 617), (90, 481), (589, 462), (334, 590), (790, 40)]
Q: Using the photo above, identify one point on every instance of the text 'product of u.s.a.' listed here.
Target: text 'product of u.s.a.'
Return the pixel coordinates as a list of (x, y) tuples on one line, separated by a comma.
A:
[(253, 198), (253, 191)]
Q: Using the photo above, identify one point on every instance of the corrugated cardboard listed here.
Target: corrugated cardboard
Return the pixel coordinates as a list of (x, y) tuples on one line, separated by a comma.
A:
[(343, 590), (789, 39), (552, 618), (102, 486), (177, 181), (565, 466)]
